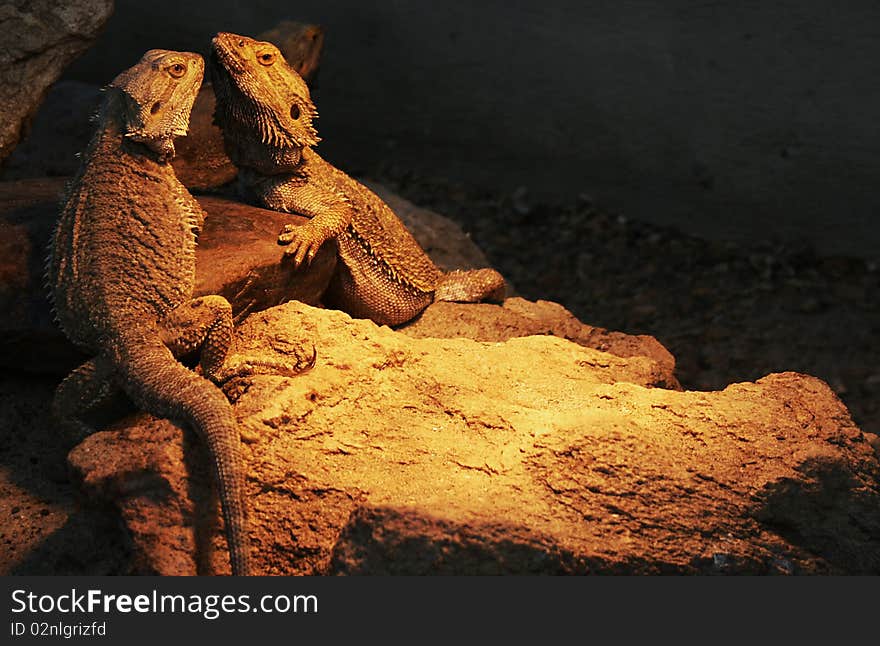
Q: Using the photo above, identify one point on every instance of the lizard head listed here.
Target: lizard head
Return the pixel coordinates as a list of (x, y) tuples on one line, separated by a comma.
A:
[(158, 95), (259, 94)]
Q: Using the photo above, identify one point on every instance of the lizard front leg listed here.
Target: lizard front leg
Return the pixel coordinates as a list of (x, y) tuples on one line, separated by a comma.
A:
[(329, 211), (205, 324)]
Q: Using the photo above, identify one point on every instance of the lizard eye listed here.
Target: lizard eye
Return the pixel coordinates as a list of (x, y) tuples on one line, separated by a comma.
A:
[(266, 58), (177, 70), (294, 112)]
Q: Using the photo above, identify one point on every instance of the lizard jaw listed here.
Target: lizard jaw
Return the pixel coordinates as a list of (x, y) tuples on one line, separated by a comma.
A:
[(223, 53)]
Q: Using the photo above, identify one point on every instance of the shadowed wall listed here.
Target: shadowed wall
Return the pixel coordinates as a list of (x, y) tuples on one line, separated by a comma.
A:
[(728, 119)]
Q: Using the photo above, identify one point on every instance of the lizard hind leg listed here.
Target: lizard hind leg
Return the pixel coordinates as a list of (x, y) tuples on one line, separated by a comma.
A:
[(82, 390), (470, 286), (205, 324)]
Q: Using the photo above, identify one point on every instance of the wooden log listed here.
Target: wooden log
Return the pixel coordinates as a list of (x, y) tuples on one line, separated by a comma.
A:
[(237, 257)]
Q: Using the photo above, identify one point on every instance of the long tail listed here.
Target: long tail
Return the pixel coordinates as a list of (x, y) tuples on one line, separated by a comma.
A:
[(470, 286), (159, 384)]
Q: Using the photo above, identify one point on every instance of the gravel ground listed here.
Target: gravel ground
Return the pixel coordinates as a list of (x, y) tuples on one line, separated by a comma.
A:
[(728, 312)]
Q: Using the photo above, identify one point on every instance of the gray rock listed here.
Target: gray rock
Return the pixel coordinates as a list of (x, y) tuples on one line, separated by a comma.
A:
[(40, 38)]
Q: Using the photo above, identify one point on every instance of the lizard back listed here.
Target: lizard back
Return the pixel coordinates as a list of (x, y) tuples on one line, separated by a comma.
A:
[(121, 273), (132, 264)]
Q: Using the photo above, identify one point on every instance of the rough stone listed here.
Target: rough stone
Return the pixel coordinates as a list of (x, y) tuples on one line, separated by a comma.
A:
[(518, 317), (397, 455), (40, 39)]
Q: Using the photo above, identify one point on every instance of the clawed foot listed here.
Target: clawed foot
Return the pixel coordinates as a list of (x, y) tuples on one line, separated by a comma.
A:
[(233, 380), (237, 366), (304, 241)]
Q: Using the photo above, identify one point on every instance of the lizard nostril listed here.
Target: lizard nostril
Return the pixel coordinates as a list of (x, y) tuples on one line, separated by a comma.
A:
[(155, 107), (241, 43)]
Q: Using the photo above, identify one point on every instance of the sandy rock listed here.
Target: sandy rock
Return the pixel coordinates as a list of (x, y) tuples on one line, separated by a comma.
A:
[(532, 455), (40, 39), (519, 317)]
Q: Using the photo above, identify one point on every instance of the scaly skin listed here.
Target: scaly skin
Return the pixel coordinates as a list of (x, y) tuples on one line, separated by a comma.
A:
[(266, 114), (121, 273)]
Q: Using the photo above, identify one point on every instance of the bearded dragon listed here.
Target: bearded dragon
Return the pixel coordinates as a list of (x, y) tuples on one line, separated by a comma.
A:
[(201, 162), (266, 114), (121, 272)]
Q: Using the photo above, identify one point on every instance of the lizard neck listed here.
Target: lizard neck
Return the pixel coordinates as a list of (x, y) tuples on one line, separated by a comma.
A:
[(110, 134), (110, 138), (111, 154), (249, 152)]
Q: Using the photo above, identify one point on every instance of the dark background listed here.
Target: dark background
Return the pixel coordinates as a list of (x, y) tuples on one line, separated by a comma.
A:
[(732, 120), (742, 120)]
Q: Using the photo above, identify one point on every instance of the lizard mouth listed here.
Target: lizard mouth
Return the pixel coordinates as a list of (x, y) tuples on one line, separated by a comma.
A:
[(222, 54)]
